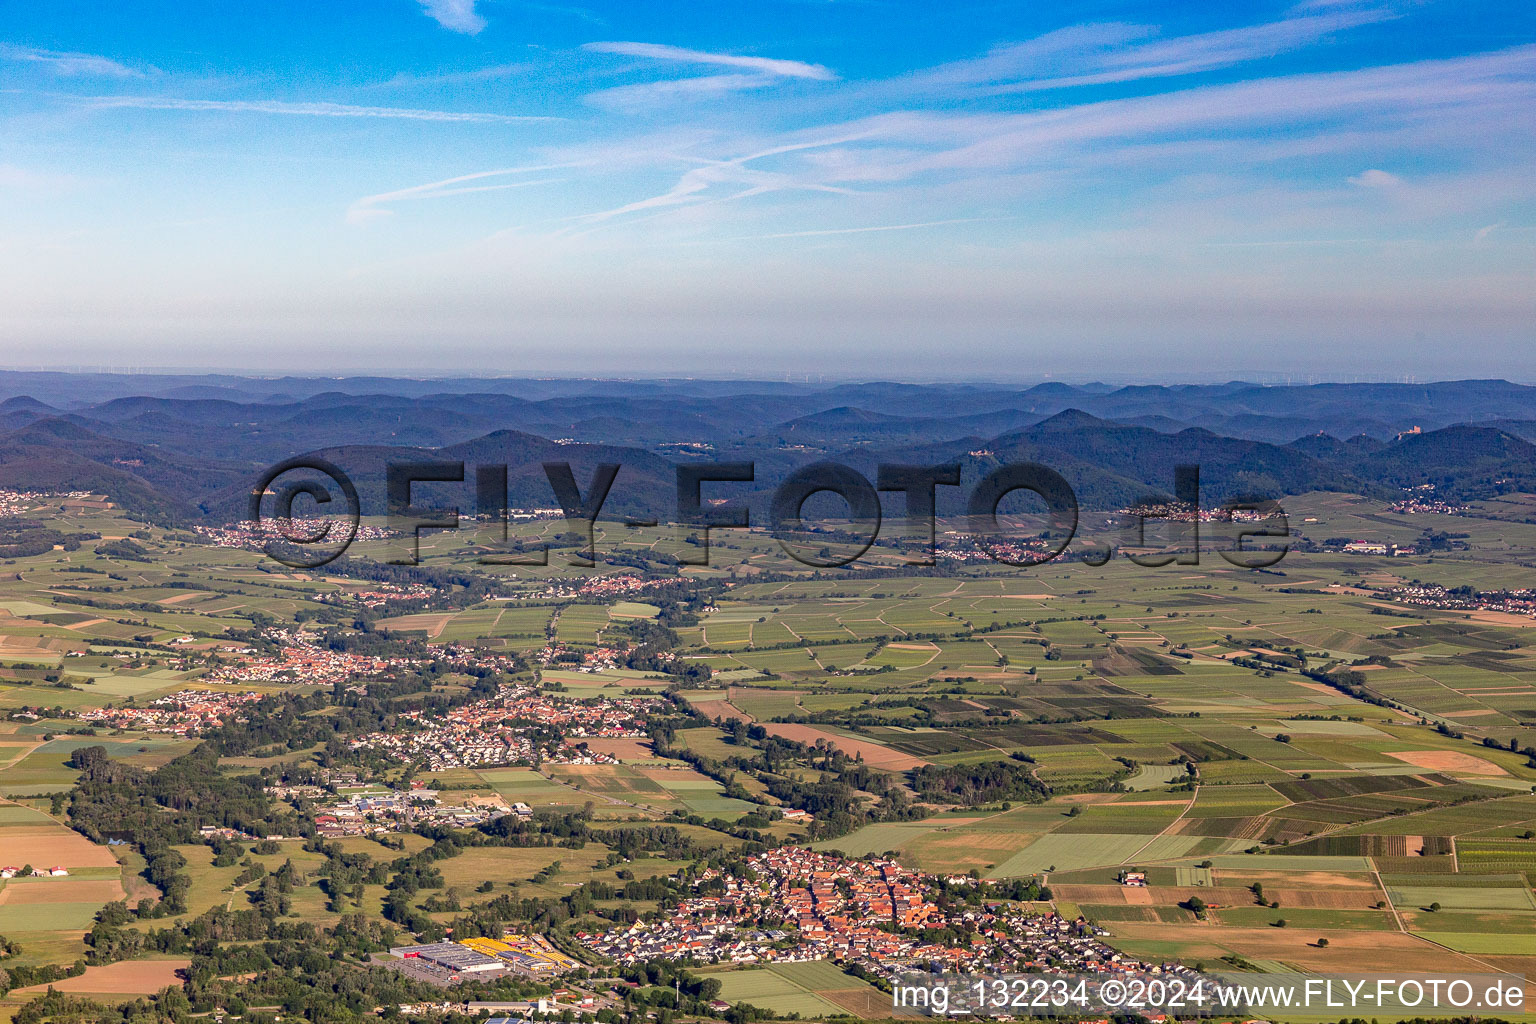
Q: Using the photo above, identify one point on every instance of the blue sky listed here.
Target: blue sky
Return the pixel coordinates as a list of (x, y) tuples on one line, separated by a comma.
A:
[(1328, 190)]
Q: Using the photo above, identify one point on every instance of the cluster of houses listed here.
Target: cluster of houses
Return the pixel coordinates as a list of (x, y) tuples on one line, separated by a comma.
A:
[(620, 585), (598, 659), (793, 904), (379, 595), (15, 503), (1184, 512), (10, 871), (513, 727), (185, 713), (250, 536), (469, 656), (1428, 506), (1429, 595), (301, 660), (955, 546), (707, 929)]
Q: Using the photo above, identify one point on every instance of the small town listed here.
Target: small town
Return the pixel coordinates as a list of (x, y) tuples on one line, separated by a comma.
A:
[(248, 536), (620, 584), (185, 713), (955, 546), (794, 905), (15, 503), (597, 659), (495, 731), (300, 659), (1183, 512), (1507, 602), (379, 595), (1422, 506)]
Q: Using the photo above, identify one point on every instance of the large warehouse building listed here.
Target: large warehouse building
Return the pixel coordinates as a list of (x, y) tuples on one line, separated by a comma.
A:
[(450, 956)]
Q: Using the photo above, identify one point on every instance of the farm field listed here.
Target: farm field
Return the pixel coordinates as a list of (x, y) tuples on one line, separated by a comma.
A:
[(127, 978), (1180, 725), (809, 989)]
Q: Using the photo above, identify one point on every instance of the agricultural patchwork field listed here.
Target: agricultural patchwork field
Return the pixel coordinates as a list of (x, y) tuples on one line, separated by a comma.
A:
[(1282, 756)]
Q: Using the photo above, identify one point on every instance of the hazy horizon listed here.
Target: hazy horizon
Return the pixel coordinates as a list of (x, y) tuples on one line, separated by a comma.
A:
[(828, 379), (1335, 188)]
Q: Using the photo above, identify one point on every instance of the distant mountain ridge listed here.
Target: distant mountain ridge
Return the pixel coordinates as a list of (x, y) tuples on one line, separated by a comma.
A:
[(193, 457)]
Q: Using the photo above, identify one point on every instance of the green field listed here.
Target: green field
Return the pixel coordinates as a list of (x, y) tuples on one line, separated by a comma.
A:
[(1137, 702), (815, 989)]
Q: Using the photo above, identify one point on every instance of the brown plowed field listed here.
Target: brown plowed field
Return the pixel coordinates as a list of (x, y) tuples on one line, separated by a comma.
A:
[(130, 977), (875, 755), (47, 845)]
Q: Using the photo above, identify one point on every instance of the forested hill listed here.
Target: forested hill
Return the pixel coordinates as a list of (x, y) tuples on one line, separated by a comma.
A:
[(189, 448)]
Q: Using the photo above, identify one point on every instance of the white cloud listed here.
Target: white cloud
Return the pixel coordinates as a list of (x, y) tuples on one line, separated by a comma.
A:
[(487, 73), (1374, 178), (454, 15), (300, 109), (680, 55), (1436, 103), (1443, 95), (648, 94), (692, 187), (69, 65), (1109, 52), (370, 208)]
